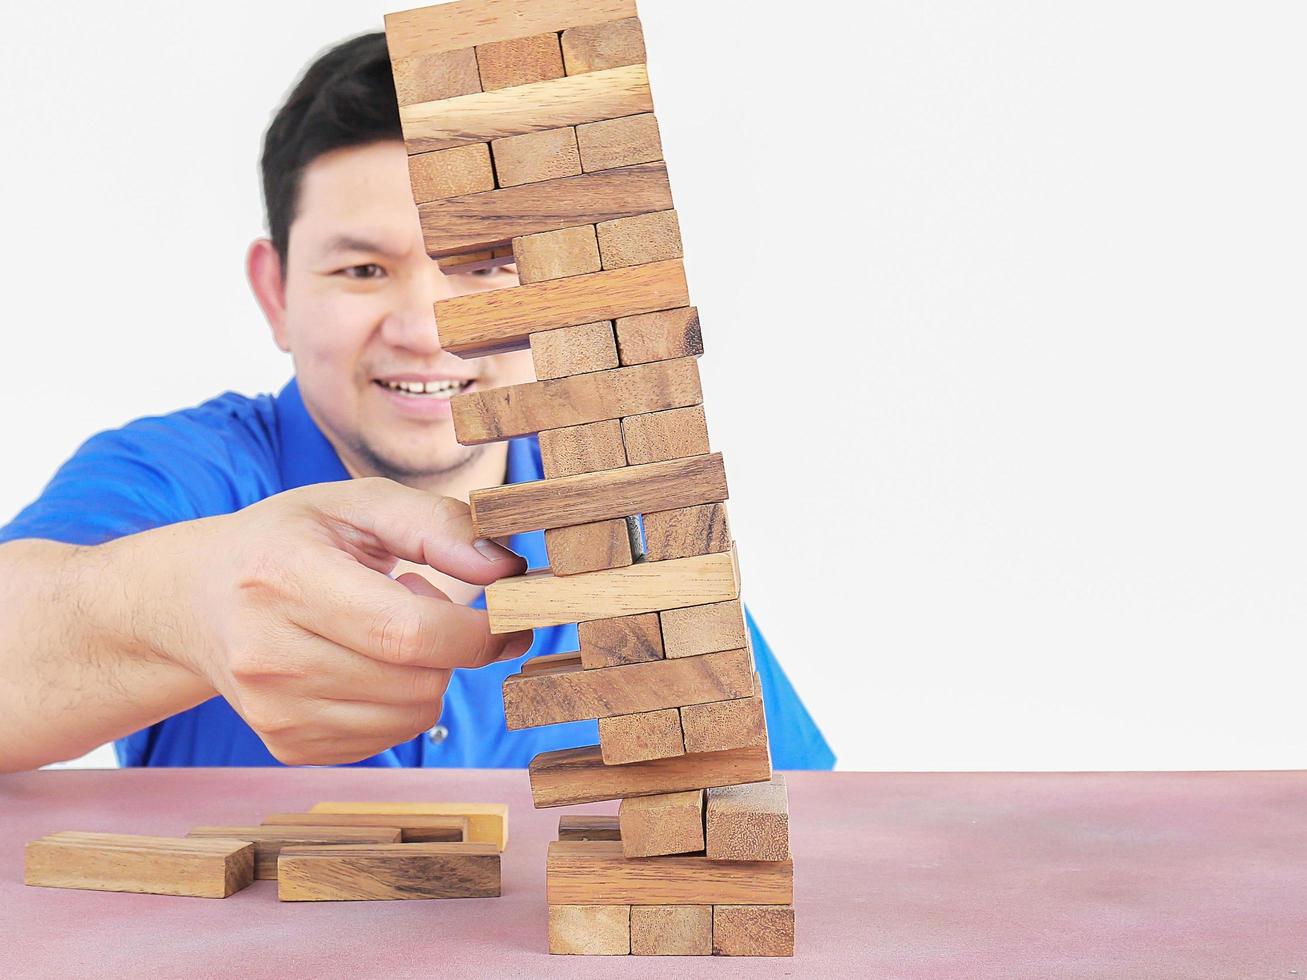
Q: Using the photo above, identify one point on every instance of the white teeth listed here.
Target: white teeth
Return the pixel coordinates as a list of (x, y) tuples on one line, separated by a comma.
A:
[(438, 389)]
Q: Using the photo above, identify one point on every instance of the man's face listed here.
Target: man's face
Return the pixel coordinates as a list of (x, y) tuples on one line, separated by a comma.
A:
[(359, 323)]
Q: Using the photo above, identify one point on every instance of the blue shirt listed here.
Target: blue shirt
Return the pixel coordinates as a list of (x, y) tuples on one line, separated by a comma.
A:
[(234, 451)]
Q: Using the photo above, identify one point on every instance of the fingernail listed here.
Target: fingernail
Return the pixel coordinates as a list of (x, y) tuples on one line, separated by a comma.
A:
[(491, 551), (515, 648)]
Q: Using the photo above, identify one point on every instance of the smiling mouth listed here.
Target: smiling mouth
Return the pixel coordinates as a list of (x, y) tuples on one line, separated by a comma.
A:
[(444, 389)]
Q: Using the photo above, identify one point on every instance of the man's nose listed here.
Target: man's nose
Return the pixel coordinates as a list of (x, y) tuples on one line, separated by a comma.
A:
[(412, 324)]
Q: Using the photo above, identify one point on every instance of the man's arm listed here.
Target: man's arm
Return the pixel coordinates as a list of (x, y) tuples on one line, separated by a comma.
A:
[(285, 608)]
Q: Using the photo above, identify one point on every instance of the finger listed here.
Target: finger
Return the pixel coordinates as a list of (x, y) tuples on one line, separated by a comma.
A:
[(346, 731), (416, 584), (315, 667)]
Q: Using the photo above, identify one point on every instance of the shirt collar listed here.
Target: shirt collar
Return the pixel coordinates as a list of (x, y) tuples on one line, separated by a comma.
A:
[(305, 455)]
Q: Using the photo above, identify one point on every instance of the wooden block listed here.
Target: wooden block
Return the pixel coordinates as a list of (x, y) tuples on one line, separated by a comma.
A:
[(693, 630), (665, 435), (585, 826), (199, 868), (597, 873), (504, 319), (576, 449), (748, 823), (686, 531), (639, 239), (539, 599), (594, 47), (519, 61), (533, 157), (526, 108), (490, 258), (567, 351), (556, 255), (619, 142), (588, 547), (371, 872), (574, 694), (753, 930), (552, 662), (428, 76), (590, 930), (659, 336), (642, 736), (620, 640), (413, 828), (721, 725), (568, 776), (670, 823), (448, 26), (487, 823), (268, 841), (450, 173), (671, 930)]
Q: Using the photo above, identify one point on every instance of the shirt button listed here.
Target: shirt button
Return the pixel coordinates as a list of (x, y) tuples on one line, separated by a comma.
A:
[(438, 734)]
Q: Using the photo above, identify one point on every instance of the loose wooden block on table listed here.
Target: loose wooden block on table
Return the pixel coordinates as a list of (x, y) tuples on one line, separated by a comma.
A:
[(450, 26), (671, 434), (671, 930), (619, 142), (577, 826), (567, 351), (686, 531), (706, 628), (268, 841), (487, 823), (371, 872), (533, 157), (639, 239), (575, 694), (567, 776), (576, 449), (504, 319), (598, 873), (720, 725), (642, 736), (670, 823), (590, 930), (557, 255), (526, 108), (413, 828), (193, 867), (539, 599), (519, 61), (620, 640), (748, 823), (588, 547), (753, 930), (659, 336), (428, 76), (450, 173)]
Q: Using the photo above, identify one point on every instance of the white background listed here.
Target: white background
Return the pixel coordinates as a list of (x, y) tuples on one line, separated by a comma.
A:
[(1005, 320)]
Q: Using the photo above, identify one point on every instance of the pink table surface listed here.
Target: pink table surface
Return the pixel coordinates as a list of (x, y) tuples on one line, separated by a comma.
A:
[(950, 875)]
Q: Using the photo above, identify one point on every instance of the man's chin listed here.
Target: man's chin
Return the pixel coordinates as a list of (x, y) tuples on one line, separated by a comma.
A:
[(408, 463)]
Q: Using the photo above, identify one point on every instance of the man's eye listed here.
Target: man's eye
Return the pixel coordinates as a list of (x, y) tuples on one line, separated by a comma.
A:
[(368, 271)]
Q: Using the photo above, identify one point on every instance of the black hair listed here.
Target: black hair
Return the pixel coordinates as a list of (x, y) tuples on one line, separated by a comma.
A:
[(345, 98)]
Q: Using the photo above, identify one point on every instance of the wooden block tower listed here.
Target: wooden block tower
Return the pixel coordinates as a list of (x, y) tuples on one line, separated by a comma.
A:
[(532, 139)]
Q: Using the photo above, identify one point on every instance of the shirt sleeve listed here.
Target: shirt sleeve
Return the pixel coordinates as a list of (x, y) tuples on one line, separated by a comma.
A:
[(796, 741)]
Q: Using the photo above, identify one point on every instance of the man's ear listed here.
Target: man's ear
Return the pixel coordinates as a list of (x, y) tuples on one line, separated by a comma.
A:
[(263, 268)]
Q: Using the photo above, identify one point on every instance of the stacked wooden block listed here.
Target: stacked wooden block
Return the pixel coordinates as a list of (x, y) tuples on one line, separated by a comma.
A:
[(532, 140)]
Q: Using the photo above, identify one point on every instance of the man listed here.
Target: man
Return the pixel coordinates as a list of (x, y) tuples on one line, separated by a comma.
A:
[(212, 588)]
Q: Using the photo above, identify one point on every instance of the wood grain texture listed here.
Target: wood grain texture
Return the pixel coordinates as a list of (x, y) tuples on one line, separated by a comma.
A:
[(659, 336), (551, 662), (567, 776), (619, 142), (693, 630), (557, 255), (665, 435), (413, 828), (575, 694), (590, 930), (539, 599), (450, 173), (588, 826), (671, 930), (197, 868), (686, 531), (594, 47), (519, 61), (372, 872), (567, 351), (596, 872), (428, 76), (488, 258), (588, 547), (449, 26), (487, 822), (748, 823), (721, 725), (268, 841), (620, 640), (753, 930), (640, 737), (522, 109), (669, 823), (576, 449), (533, 157), (639, 239), (504, 319)]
